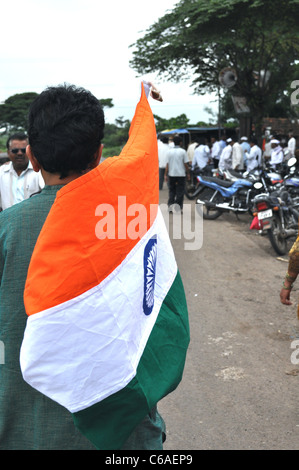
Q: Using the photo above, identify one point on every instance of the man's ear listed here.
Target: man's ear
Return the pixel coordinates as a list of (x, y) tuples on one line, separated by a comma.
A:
[(97, 158), (35, 165)]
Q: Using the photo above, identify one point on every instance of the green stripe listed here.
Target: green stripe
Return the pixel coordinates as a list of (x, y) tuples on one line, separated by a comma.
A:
[(109, 423)]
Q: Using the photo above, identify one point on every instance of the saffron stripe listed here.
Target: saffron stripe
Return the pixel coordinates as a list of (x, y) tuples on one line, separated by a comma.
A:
[(68, 258)]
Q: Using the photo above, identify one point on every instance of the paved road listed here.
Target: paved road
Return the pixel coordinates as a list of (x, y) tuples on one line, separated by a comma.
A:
[(240, 387)]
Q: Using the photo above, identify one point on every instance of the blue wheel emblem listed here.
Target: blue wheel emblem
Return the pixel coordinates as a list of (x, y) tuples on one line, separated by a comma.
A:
[(149, 269)]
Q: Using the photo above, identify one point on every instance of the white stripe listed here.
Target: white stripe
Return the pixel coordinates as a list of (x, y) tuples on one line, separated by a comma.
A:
[(88, 348)]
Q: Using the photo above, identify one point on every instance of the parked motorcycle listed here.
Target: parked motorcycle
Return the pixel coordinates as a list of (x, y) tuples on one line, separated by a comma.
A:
[(235, 192), (269, 177), (291, 181), (193, 185), (292, 185), (218, 196), (278, 217)]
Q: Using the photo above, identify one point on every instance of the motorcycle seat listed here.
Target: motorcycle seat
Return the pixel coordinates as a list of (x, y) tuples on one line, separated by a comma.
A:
[(236, 173), (212, 179)]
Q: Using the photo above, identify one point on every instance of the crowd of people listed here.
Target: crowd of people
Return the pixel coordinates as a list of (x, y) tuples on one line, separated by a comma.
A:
[(240, 155), (225, 154), (230, 154), (18, 180)]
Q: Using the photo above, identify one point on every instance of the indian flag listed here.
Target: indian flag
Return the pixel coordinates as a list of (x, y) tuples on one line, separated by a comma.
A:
[(107, 329)]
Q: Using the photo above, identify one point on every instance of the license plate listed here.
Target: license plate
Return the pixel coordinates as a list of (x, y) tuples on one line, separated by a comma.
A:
[(265, 214)]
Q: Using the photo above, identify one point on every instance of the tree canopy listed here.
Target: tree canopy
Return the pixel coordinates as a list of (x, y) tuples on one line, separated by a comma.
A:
[(177, 122), (199, 38), (14, 112)]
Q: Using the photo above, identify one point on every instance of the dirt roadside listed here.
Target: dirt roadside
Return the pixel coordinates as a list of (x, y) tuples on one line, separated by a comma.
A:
[(239, 389)]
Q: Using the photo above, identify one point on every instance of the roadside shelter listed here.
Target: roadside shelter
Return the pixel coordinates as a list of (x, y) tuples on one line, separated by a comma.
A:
[(190, 134)]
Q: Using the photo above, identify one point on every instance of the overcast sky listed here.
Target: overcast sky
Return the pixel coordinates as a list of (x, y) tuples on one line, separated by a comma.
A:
[(86, 43)]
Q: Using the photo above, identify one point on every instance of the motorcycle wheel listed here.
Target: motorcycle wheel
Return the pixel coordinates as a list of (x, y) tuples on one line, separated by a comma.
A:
[(210, 213), (275, 235), (191, 190)]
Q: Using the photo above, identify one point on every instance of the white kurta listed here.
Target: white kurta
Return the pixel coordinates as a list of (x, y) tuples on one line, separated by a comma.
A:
[(225, 161), (276, 155), (201, 156), (254, 158)]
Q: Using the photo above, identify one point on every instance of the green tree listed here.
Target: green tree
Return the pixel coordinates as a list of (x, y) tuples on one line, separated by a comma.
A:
[(198, 38), (14, 112), (107, 102), (115, 136), (178, 122)]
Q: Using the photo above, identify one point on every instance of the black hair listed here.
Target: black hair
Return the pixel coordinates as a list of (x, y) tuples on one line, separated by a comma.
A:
[(201, 141), (16, 136), (65, 129), (177, 139)]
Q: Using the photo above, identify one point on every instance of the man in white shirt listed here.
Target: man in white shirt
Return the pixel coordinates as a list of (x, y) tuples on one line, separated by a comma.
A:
[(246, 149), (201, 155), (215, 151), (291, 145), (176, 170), (268, 149), (18, 180), (277, 154), (225, 161), (254, 157), (237, 155)]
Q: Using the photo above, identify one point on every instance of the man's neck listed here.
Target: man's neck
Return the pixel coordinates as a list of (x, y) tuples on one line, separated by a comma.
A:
[(19, 170), (53, 179)]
